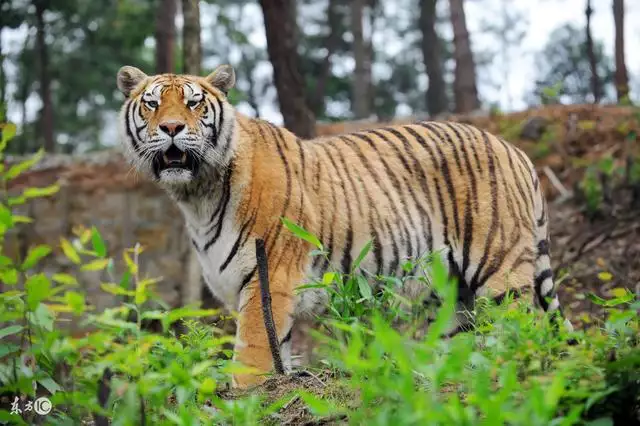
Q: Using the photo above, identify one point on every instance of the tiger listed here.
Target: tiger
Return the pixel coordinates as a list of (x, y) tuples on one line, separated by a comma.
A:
[(428, 186)]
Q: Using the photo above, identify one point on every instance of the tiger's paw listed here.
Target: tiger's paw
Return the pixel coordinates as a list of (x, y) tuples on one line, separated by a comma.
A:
[(244, 381)]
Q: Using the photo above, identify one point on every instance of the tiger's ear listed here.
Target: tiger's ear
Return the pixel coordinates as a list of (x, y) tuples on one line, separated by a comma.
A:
[(222, 78), (128, 78)]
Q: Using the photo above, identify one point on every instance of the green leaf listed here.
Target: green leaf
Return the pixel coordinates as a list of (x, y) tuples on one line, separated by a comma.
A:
[(132, 267), (7, 132), (605, 276), (118, 324), (9, 277), (201, 367), (76, 301), (8, 331), (49, 384), (10, 418), (64, 279), (316, 405), (611, 302), (125, 281), (6, 218), (208, 386), (153, 315), (302, 233), (140, 295), (187, 312), (98, 243), (16, 201), (329, 277), (17, 169), (116, 289), (365, 250), (69, 251), (41, 192), (364, 287), (42, 317), (96, 265), (22, 219), (34, 256), (5, 261), (38, 288), (8, 348)]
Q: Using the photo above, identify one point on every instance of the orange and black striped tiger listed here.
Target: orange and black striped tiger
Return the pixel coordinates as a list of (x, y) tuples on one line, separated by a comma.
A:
[(415, 188)]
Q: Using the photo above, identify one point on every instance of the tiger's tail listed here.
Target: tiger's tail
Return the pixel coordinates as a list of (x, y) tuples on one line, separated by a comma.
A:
[(544, 287)]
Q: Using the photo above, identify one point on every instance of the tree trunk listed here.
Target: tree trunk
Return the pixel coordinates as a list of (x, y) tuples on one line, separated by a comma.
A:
[(282, 42), (331, 43), (464, 85), (591, 54), (45, 78), (165, 36), (192, 47), (361, 96), (432, 56), (621, 75)]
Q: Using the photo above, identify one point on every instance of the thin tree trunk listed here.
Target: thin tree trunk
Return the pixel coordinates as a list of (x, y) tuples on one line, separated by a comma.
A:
[(331, 43), (361, 96), (165, 34), (192, 47), (45, 78), (621, 75), (464, 85), (591, 54), (282, 42), (432, 56)]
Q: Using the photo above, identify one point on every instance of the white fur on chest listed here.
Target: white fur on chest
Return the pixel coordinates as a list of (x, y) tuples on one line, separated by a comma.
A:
[(223, 268)]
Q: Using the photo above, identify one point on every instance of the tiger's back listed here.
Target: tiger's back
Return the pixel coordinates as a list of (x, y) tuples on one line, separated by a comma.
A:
[(421, 188)]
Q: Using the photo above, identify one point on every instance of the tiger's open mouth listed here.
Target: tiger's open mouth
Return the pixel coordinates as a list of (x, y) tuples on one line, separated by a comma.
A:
[(174, 159)]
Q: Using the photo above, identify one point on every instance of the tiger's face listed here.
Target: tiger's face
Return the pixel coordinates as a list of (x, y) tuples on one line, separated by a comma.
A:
[(176, 127)]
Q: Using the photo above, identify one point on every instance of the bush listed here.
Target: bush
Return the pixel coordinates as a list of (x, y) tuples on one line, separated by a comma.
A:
[(378, 367)]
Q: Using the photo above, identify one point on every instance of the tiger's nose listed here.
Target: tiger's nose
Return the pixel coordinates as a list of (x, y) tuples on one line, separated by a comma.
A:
[(172, 128)]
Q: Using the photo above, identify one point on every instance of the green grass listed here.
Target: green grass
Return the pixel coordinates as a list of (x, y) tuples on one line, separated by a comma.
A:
[(513, 368)]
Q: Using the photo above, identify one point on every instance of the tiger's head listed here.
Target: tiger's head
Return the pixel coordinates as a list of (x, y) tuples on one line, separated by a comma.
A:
[(176, 128)]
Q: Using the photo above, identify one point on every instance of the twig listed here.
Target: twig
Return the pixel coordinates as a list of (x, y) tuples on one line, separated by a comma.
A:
[(291, 401), (564, 193), (263, 274), (310, 374)]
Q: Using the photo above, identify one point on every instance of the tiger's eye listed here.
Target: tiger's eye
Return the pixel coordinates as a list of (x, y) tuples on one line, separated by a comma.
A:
[(191, 104), (152, 104)]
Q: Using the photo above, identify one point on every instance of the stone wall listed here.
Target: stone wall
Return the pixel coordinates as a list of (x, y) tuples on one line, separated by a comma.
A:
[(99, 189)]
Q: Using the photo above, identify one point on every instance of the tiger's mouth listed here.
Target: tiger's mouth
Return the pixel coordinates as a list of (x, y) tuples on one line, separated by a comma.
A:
[(174, 160)]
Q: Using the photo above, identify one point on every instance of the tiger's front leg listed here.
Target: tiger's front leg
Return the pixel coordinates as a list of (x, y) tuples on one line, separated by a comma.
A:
[(252, 346)]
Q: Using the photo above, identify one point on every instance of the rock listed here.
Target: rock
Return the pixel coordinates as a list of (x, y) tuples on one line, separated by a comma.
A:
[(534, 128)]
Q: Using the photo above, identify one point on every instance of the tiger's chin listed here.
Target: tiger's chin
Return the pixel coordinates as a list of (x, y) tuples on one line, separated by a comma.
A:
[(176, 177), (175, 167)]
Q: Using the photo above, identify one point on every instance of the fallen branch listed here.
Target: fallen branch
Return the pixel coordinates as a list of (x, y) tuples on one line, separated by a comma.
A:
[(104, 389), (263, 274), (564, 193)]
